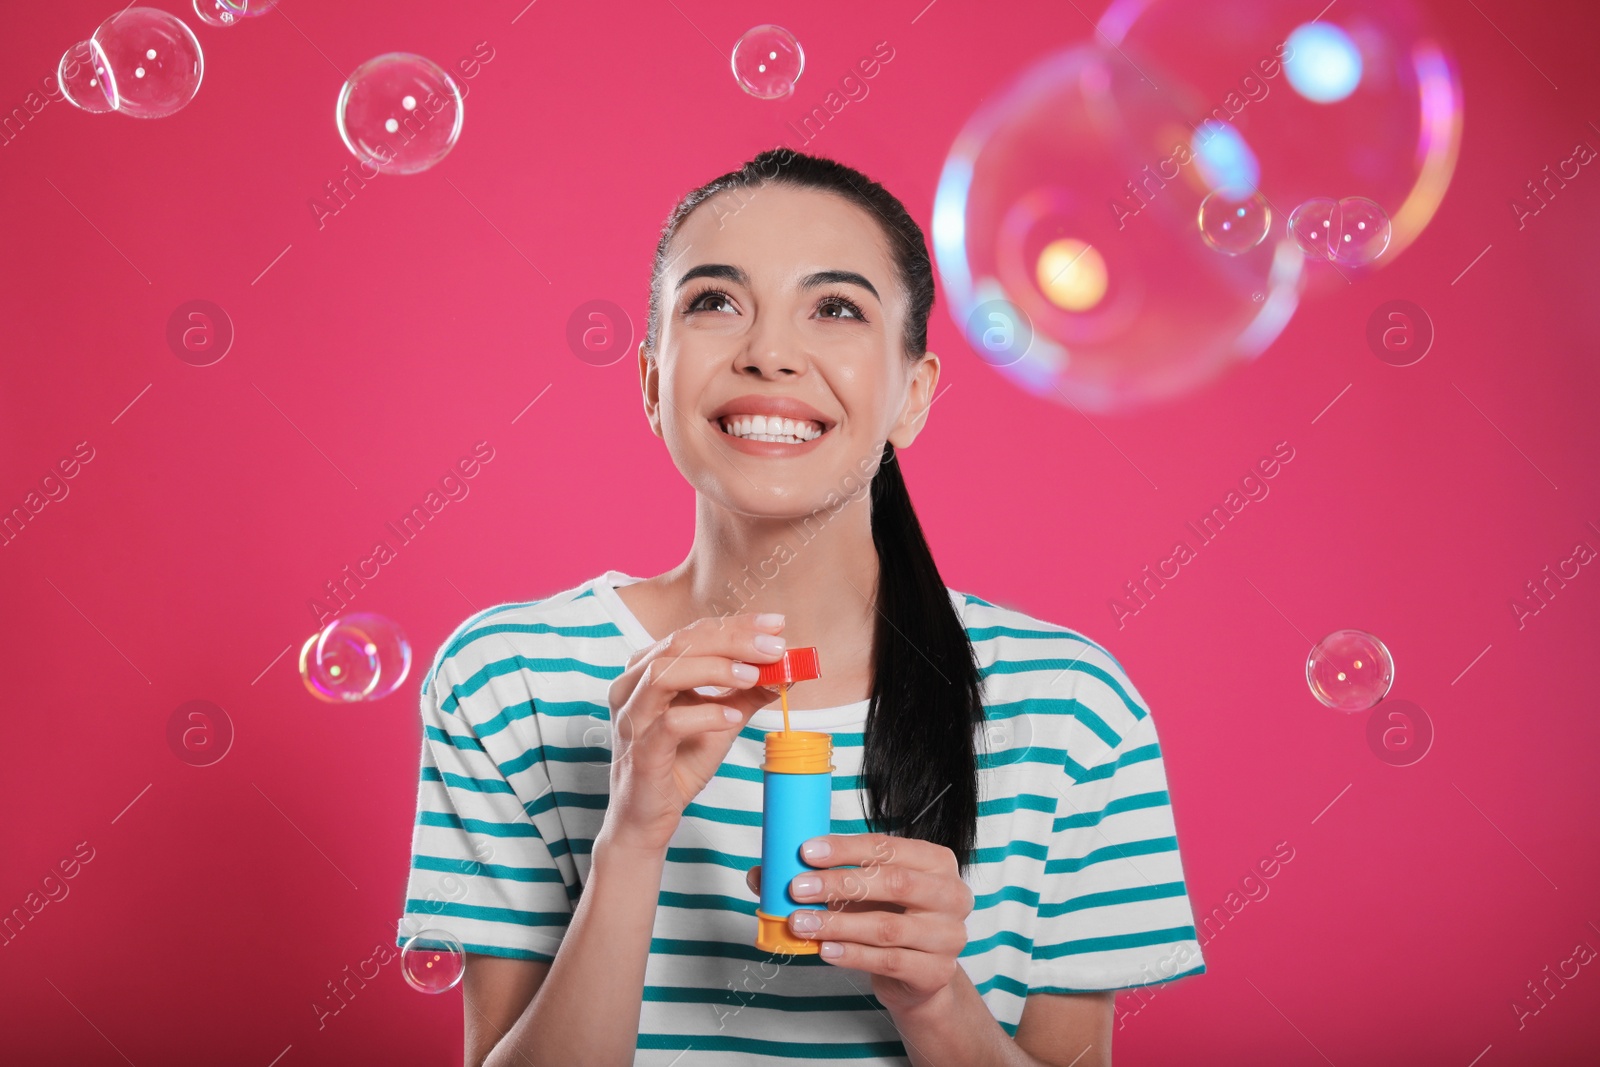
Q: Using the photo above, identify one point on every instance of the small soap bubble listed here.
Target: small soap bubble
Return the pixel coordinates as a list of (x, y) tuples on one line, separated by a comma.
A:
[(141, 62), (81, 75), (1349, 670), (1234, 224), (1360, 232), (361, 656), (229, 12), (767, 62), (1311, 223), (433, 961), (400, 112)]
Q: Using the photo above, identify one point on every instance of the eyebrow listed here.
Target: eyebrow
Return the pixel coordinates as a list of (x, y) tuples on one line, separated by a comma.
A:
[(810, 281)]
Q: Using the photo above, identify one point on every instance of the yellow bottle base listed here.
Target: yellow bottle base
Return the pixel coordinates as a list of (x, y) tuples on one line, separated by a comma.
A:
[(773, 935)]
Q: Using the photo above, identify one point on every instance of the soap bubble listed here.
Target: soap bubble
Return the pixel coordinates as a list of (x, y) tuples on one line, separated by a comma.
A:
[(433, 961), (229, 12), (81, 74), (1311, 225), (400, 112), (1234, 224), (1367, 101), (1349, 670), (355, 657), (1352, 232), (141, 62), (767, 62), (1360, 232), (1062, 204)]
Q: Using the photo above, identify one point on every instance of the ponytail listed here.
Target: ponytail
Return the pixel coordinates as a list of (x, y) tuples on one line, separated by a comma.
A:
[(919, 766)]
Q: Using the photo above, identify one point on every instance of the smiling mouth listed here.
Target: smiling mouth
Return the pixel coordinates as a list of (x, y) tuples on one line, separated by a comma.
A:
[(771, 428)]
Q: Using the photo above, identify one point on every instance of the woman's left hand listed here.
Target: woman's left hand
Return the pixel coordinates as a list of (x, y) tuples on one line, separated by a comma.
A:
[(900, 914)]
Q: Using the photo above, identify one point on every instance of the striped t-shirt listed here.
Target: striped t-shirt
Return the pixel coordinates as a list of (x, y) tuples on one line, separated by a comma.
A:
[(1077, 877)]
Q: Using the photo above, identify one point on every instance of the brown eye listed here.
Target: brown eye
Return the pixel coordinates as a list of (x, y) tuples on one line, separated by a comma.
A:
[(709, 294)]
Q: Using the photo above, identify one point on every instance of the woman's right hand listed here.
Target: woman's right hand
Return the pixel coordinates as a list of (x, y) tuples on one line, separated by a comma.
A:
[(668, 739)]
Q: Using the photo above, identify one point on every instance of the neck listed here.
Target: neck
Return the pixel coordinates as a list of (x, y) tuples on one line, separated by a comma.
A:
[(820, 572)]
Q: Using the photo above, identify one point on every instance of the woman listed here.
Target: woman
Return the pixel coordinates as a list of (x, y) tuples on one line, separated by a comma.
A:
[(1004, 854)]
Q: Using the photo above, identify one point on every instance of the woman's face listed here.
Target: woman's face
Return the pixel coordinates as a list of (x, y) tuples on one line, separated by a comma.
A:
[(778, 296)]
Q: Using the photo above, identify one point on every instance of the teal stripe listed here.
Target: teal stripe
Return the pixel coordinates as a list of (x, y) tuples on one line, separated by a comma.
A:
[(1112, 898), (1112, 852), (514, 916), (513, 664), (989, 633), (1053, 706), (495, 950), (1082, 774), (1114, 942), (474, 868), (1021, 666), (433, 733), (750, 998), (798, 1050), (1199, 969), (1158, 799), (445, 650), (477, 826)]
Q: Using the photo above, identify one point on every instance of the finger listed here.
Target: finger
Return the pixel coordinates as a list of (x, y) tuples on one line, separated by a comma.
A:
[(921, 971), (934, 934), (867, 850), (662, 682), (887, 883), (752, 878), (679, 722)]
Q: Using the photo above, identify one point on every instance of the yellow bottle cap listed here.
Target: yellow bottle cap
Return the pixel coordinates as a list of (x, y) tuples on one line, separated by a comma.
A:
[(772, 935), (798, 752)]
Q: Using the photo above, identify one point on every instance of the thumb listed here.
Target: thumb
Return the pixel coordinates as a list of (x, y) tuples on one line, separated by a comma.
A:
[(752, 879)]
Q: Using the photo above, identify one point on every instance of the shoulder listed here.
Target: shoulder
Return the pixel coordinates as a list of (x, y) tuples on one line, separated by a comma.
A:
[(516, 635), (1052, 670)]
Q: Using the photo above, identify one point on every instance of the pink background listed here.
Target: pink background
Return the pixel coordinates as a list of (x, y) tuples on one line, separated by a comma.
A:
[(1420, 900)]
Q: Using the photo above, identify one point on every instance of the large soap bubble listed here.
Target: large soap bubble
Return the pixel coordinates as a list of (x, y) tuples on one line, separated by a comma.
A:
[(141, 62), (1071, 198), (1361, 101), (400, 112), (361, 656)]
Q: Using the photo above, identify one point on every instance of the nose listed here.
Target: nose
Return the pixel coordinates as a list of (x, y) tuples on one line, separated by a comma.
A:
[(773, 352)]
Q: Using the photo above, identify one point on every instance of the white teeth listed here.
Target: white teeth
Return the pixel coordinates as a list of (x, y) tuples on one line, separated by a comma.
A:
[(771, 428)]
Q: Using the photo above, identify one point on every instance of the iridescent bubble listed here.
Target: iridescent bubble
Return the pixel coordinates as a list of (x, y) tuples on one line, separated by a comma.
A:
[(1234, 224), (433, 961), (229, 12), (1349, 670), (361, 656), (400, 112), (767, 62), (1070, 196), (1364, 99), (1360, 232), (141, 62), (1311, 225), (81, 75)]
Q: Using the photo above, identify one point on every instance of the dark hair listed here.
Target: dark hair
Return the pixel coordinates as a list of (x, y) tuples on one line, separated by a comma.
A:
[(919, 766)]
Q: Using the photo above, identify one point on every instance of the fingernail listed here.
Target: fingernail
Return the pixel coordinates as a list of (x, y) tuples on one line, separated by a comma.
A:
[(816, 850), (731, 715), (769, 619), (745, 672), (769, 643), (832, 950), (805, 885), (805, 921)]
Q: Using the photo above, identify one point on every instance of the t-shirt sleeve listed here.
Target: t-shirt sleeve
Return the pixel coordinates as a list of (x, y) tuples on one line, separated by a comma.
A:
[(1114, 911), (483, 850)]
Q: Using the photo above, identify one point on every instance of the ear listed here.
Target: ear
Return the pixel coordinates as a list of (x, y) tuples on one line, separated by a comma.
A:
[(919, 398), (650, 387)]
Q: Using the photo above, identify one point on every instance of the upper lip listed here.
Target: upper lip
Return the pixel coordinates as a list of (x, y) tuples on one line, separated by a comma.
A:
[(784, 407)]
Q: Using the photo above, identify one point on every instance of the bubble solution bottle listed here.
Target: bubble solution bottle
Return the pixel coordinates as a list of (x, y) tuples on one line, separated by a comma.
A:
[(797, 797)]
